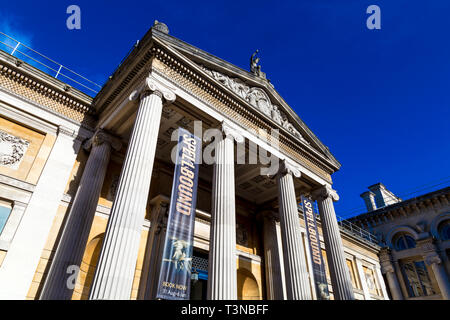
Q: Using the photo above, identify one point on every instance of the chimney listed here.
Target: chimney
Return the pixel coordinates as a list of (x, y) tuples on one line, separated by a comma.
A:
[(383, 197), (369, 199)]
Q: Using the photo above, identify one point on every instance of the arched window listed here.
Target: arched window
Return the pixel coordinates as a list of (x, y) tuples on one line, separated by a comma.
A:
[(404, 241), (444, 230)]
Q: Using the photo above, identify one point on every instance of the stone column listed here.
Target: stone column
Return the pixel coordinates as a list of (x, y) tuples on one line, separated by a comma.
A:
[(274, 279), (432, 258), (340, 278), (75, 234), (115, 270), (388, 269), (222, 273), (297, 282), (155, 244)]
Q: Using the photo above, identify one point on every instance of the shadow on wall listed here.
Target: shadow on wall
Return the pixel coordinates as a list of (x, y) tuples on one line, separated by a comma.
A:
[(88, 266)]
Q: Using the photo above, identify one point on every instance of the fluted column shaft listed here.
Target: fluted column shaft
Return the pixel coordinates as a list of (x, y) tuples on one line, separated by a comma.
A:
[(222, 273), (388, 268), (297, 282), (73, 240), (340, 278), (116, 267), (274, 281)]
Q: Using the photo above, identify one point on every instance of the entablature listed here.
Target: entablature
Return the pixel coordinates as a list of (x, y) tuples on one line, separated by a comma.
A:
[(154, 55)]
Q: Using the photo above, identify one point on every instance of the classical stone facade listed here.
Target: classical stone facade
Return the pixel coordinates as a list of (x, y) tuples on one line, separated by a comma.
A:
[(415, 238), (85, 184)]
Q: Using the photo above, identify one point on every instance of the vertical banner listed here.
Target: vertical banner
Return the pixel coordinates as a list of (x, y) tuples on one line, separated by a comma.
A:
[(320, 277), (175, 275)]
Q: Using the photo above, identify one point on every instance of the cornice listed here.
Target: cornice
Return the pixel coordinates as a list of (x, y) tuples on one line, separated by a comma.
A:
[(435, 200), (44, 84), (125, 73)]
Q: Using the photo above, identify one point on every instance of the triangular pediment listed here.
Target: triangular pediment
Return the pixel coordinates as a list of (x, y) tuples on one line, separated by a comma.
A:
[(258, 92)]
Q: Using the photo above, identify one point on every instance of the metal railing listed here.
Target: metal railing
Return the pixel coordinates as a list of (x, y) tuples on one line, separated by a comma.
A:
[(349, 228), (356, 230), (47, 65)]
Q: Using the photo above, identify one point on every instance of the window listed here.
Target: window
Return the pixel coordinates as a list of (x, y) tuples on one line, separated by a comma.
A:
[(5, 211), (417, 279), (372, 283), (404, 241), (351, 270), (444, 230)]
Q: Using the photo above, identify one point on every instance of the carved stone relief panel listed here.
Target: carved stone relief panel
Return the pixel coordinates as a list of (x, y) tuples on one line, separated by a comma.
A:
[(256, 97), (12, 150)]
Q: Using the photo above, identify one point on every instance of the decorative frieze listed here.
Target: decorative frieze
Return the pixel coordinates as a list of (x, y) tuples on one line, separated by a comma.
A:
[(12, 150), (257, 98), (206, 91)]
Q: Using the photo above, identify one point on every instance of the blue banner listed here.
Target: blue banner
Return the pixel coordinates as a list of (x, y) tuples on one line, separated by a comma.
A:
[(175, 275), (320, 277)]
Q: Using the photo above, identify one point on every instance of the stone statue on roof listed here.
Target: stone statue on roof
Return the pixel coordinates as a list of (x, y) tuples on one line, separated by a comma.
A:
[(254, 67), (254, 60)]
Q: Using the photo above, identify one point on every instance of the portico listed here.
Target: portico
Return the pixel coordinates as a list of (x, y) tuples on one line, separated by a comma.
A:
[(165, 84)]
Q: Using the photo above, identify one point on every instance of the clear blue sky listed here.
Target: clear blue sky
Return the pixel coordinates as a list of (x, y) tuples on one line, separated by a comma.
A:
[(378, 98)]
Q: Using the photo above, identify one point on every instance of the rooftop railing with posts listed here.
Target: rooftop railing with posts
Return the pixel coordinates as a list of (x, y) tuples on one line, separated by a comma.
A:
[(350, 228), (47, 65)]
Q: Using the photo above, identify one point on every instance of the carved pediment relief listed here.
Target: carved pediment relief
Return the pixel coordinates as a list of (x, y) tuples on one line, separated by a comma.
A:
[(12, 150), (257, 98)]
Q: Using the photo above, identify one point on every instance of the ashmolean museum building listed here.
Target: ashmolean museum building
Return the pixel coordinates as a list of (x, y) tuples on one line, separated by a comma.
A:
[(85, 184)]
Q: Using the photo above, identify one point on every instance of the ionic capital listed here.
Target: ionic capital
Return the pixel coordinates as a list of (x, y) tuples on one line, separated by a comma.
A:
[(325, 192), (228, 131), (153, 86), (101, 137), (287, 167)]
